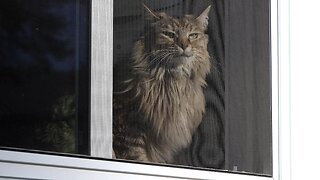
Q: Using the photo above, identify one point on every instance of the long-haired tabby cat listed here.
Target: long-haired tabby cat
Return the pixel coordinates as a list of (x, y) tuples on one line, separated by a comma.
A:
[(158, 108)]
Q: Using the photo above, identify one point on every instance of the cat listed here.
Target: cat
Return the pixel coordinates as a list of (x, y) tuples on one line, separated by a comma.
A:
[(157, 110)]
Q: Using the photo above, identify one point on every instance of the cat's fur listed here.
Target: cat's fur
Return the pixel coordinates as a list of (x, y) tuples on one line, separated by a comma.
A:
[(157, 109)]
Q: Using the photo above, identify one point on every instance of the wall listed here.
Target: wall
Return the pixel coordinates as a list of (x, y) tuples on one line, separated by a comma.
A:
[(305, 88)]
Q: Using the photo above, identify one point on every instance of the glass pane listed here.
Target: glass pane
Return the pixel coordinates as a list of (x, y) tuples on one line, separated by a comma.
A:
[(44, 75), (192, 83)]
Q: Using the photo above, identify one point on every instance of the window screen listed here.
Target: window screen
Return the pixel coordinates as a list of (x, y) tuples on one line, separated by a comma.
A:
[(159, 50)]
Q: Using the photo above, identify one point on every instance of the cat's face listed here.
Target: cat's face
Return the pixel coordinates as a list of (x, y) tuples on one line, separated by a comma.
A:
[(174, 42)]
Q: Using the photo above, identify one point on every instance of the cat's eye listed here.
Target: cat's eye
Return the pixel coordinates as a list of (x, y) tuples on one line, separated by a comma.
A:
[(193, 36), (169, 34)]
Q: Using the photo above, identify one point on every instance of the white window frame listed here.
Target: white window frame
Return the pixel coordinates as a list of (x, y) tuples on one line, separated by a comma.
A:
[(15, 164)]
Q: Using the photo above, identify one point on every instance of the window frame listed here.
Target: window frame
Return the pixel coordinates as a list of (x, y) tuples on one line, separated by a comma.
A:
[(14, 164)]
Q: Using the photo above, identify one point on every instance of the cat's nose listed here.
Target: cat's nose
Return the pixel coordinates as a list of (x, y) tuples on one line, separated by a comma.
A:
[(183, 43), (185, 52), (184, 47)]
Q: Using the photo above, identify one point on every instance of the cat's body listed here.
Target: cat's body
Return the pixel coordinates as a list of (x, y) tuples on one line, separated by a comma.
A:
[(157, 109)]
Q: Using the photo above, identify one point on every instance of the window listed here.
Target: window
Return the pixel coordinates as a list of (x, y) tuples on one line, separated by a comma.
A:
[(45, 75), (100, 110)]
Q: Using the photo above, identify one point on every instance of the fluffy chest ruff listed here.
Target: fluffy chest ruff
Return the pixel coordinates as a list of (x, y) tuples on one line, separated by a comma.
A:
[(173, 110)]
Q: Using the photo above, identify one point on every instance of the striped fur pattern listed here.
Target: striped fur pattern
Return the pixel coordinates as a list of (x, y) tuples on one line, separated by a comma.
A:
[(158, 108)]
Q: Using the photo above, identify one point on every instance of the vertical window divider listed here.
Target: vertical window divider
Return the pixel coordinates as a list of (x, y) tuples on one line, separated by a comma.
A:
[(101, 78)]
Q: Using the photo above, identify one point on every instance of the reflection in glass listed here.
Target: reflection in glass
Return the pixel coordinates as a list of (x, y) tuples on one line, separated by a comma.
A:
[(44, 75)]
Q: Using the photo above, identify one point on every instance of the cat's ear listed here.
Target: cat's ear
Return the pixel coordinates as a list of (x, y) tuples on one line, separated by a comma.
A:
[(203, 18), (149, 14)]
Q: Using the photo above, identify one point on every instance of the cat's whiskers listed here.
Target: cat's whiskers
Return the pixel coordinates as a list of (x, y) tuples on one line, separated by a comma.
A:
[(139, 65), (159, 58), (154, 60), (164, 58)]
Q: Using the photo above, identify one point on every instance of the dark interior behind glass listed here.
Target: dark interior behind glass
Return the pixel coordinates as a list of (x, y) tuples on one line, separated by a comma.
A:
[(44, 75)]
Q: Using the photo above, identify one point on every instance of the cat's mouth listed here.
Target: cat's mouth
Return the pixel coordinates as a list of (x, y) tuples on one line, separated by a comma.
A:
[(183, 57), (179, 60), (186, 55), (174, 61)]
